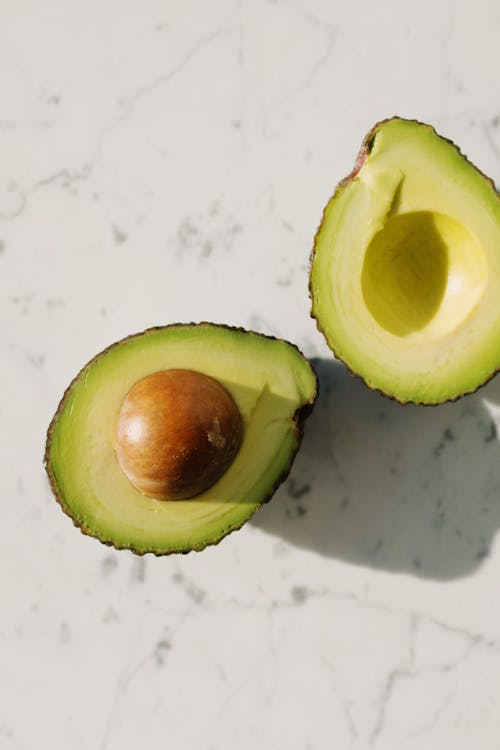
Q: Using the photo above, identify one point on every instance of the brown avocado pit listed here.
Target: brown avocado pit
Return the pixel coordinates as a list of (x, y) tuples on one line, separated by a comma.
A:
[(178, 432)]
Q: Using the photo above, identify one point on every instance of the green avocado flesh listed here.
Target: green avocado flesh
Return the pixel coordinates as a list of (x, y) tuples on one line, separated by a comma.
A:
[(405, 276), (274, 388)]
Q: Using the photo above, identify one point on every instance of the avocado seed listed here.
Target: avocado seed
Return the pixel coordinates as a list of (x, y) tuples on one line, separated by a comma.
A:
[(178, 431)]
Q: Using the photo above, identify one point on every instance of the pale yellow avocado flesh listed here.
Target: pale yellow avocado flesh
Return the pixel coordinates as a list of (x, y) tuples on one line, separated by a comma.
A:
[(270, 381), (405, 277)]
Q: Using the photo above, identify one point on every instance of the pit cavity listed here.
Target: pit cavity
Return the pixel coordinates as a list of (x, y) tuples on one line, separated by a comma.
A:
[(423, 272)]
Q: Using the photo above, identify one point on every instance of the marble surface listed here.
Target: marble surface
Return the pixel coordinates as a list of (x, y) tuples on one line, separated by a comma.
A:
[(169, 161)]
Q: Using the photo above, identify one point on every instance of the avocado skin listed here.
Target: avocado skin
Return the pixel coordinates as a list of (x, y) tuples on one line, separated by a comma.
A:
[(299, 419), (363, 153)]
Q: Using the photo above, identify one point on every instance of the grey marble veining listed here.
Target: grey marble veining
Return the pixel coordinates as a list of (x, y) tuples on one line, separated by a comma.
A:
[(167, 162)]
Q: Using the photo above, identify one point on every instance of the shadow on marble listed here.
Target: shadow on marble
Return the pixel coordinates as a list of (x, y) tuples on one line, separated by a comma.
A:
[(407, 489)]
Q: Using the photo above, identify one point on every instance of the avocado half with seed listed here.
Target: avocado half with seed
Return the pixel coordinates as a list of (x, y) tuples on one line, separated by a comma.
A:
[(405, 271), (171, 438)]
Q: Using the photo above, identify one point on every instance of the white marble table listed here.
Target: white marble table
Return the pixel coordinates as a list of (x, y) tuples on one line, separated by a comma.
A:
[(169, 161)]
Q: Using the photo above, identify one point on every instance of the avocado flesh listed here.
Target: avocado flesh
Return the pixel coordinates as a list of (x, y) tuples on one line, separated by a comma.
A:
[(405, 276), (273, 386)]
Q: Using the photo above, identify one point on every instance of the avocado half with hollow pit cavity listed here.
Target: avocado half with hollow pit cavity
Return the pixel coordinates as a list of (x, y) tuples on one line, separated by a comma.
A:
[(405, 272), (171, 438)]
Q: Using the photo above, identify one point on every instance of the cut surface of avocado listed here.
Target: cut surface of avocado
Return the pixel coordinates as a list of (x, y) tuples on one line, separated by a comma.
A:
[(273, 387), (405, 273)]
